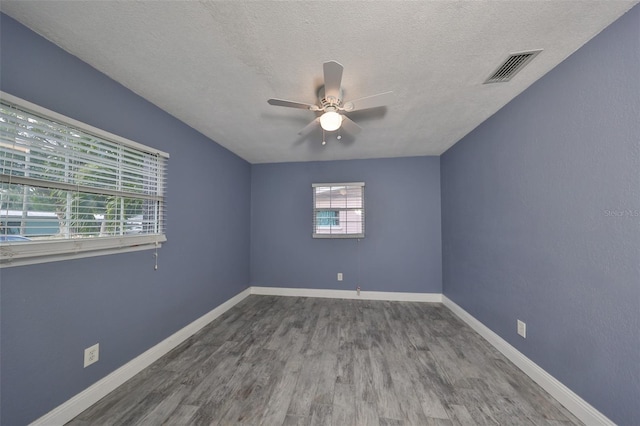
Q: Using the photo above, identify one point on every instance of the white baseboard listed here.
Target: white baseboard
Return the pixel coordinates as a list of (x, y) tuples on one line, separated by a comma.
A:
[(85, 399), (348, 294), (565, 396)]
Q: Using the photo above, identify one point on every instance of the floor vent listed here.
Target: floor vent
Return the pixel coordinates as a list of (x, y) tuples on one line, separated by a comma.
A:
[(511, 66)]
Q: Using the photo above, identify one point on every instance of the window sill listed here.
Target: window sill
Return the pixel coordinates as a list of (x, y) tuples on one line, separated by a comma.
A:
[(30, 253), (338, 235)]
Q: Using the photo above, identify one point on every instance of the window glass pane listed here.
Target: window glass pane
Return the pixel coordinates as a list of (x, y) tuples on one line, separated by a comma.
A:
[(327, 218), (63, 180), (338, 196), (338, 210), (354, 197), (353, 227), (323, 197), (44, 213)]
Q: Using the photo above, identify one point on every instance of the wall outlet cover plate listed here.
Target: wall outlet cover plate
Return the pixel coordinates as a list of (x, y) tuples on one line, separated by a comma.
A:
[(91, 355)]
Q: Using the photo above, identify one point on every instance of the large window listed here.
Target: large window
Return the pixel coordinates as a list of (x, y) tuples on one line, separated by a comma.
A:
[(68, 189), (338, 210)]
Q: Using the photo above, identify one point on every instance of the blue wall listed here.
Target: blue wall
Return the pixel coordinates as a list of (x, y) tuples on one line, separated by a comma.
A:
[(538, 223), (401, 250), (51, 312), (541, 221)]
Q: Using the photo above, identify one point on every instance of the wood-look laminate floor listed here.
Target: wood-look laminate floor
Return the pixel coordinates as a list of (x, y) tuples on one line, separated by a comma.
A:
[(306, 361)]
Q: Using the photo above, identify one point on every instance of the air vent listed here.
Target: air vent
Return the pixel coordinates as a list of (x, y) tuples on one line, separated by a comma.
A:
[(511, 66)]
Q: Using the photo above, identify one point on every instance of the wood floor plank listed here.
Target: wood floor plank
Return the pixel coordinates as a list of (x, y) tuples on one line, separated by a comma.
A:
[(164, 409), (218, 377), (383, 421), (385, 397), (306, 385), (344, 365), (417, 404), (366, 413), (223, 397), (321, 415), (182, 415), (460, 415), (257, 387), (291, 420), (363, 377), (276, 408), (303, 361), (344, 405), (138, 411), (326, 378), (126, 399)]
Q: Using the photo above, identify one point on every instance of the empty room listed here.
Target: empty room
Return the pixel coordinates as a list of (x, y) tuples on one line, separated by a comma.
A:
[(320, 213)]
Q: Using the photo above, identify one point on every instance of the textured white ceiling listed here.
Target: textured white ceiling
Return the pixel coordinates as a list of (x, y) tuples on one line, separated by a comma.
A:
[(213, 64)]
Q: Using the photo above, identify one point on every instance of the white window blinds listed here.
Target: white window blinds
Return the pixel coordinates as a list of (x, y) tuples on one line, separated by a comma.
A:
[(64, 180), (338, 210)]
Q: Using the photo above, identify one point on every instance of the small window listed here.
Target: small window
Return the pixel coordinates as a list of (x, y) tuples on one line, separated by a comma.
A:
[(338, 210), (69, 190)]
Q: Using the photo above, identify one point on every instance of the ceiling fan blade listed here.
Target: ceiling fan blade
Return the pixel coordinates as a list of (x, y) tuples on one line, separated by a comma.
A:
[(292, 104), (332, 79), (374, 101), (310, 127), (350, 126)]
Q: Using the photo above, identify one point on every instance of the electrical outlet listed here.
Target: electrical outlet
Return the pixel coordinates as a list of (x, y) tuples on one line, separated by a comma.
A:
[(339, 276), (91, 355), (522, 329)]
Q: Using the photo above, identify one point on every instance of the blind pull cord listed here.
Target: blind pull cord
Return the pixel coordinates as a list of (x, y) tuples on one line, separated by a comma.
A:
[(155, 256)]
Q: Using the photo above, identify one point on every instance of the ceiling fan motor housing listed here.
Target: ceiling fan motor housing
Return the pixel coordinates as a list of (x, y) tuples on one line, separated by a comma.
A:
[(329, 101)]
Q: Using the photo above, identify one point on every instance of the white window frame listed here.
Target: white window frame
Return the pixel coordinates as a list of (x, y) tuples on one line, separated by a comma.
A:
[(340, 210), (32, 252)]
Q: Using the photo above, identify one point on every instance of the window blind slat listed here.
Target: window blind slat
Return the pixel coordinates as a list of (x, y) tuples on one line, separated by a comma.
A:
[(68, 155), (79, 188)]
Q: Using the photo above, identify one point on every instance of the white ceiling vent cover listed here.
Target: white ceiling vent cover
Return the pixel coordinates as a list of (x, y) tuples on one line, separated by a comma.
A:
[(511, 66)]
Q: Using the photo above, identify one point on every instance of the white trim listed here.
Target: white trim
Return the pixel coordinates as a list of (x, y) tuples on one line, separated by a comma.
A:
[(32, 252), (565, 396), (79, 255), (85, 399), (348, 294), (314, 185), (334, 236)]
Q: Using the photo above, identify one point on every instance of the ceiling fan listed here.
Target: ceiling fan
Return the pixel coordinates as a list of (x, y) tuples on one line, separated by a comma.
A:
[(332, 105)]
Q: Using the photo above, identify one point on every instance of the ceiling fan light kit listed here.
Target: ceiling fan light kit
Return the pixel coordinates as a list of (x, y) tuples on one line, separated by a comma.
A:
[(330, 121), (330, 104)]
